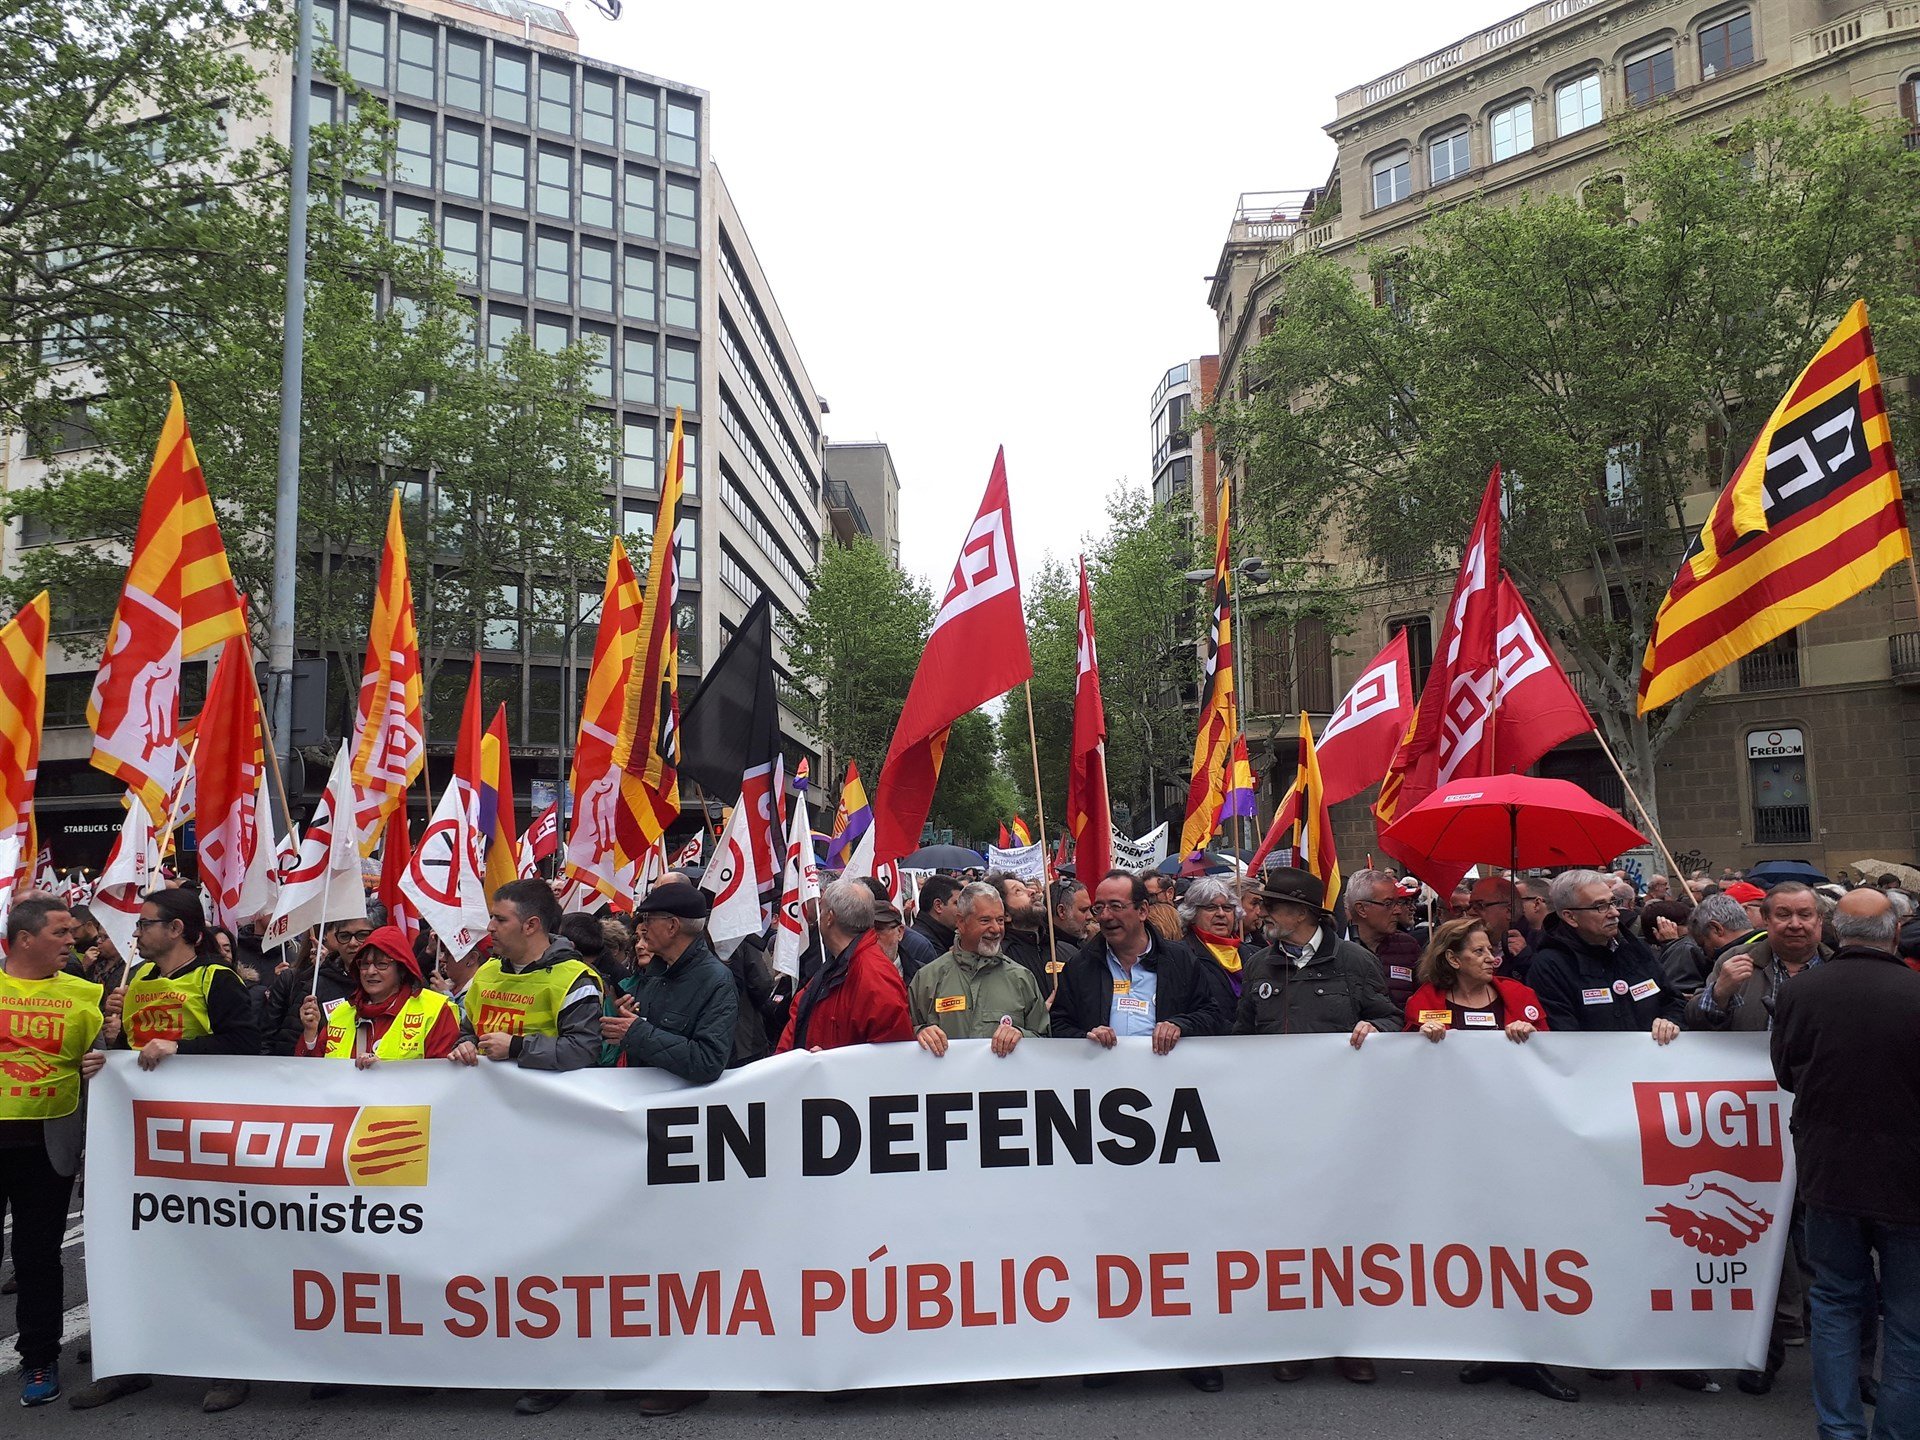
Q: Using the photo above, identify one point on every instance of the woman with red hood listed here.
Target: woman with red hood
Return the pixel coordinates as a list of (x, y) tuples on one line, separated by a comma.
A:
[(391, 1015)]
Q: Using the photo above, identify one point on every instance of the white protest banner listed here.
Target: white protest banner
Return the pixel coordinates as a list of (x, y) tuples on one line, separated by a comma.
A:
[(861, 1217), (1142, 854), (1029, 862)]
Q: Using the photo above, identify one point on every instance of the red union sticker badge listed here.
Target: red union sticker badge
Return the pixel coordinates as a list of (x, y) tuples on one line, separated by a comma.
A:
[(1709, 1150)]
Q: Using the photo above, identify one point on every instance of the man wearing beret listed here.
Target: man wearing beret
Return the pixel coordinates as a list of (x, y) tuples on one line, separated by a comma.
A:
[(681, 1015)]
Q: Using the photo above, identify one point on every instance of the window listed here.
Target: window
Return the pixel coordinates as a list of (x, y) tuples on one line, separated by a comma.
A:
[(1419, 630), (1650, 76), (509, 172), (510, 85), (507, 259), (463, 71), (1606, 197), (683, 132), (637, 292), (596, 192), (551, 334), (1511, 127), (367, 47), (683, 376), (552, 268), (1777, 775), (553, 193), (636, 522), (501, 628), (460, 241), (596, 275), (637, 214), (416, 73), (642, 135), (1622, 462), (460, 167), (690, 461), (1726, 45), (683, 294), (413, 149), (686, 545), (683, 213), (1392, 179), (502, 326), (598, 341), (320, 111), (556, 96), (412, 221), (1447, 156), (67, 699), (596, 110), (1576, 103), (326, 24), (636, 455), (639, 365), (363, 210)]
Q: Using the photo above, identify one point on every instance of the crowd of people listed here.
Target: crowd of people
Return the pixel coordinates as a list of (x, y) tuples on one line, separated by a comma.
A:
[(1829, 970)]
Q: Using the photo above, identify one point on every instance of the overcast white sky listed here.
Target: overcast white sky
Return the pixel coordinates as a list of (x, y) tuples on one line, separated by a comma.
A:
[(991, 224)]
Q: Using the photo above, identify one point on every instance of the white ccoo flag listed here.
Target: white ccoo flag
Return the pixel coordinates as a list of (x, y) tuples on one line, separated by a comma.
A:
[(734, 884), (324, 883)]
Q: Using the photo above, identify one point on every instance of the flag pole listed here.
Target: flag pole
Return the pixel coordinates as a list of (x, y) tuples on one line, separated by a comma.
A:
[(1913, 579), (179, 794), (1040, 819), (1641, 805)]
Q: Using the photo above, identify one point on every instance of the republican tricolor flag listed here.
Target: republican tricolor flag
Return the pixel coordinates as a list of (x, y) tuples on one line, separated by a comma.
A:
[(850, 821)]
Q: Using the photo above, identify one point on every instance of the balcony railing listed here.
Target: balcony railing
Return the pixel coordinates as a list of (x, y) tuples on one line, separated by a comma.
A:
[(1903, 651), (1494, 38), (1783, 825), (1774, 668), (840, 499)]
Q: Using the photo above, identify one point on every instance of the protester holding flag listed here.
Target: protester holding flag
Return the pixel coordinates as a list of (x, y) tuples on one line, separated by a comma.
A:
[(535, 1002), (42, 1125), (340, 942), (391, 1015), (857, 997), (974, 992)]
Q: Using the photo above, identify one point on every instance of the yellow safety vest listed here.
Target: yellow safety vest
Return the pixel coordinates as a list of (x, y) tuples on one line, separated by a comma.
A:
[(156, 1008), (406, 1037), (45, 1027), (499, 1002)]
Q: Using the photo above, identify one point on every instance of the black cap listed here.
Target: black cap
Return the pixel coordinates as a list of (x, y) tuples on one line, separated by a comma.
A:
[(674, 899), (1284, 885)]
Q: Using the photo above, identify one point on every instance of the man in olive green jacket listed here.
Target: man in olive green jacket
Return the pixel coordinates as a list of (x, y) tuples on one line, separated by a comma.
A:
[(974, 992)]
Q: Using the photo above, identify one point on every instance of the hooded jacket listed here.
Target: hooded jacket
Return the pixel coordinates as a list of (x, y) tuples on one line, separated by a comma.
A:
[(440, 1038), (1585, 987), (280, 1028)]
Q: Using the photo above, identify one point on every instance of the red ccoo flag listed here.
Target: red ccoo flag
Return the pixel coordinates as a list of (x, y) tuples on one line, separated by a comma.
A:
[(978, 650), (1538, 706), (1089, 816)]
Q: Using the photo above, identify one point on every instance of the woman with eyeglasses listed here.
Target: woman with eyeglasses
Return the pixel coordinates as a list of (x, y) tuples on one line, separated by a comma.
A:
[(1210, 917), (391, 1015)]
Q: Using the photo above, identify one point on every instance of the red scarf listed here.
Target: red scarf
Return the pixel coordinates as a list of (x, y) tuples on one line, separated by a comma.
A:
[(1225, 948)]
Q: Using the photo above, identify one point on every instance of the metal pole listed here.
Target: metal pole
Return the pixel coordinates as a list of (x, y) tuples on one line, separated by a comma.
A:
[(1239, 708), (286, 505)]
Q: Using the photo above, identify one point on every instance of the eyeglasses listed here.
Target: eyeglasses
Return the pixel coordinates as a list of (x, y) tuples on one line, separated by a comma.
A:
[(144, 921), (1216, 905), (358, 937), (379, 962), (1111, 907), (1597, 909)]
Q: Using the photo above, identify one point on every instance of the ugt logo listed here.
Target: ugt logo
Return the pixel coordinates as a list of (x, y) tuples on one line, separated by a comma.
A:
[(1708, 1148)]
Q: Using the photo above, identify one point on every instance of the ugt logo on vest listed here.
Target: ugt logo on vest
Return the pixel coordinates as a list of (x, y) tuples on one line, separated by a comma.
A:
[(1710, 1151), (307, 1145)]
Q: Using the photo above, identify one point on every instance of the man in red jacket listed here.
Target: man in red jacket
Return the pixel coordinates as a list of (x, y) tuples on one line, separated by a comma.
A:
[(857, 998)]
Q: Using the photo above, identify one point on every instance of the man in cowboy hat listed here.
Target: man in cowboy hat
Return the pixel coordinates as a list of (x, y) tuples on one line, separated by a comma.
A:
[(1308, 981)]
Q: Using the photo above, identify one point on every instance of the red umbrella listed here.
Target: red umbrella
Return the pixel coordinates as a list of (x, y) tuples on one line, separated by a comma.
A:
[(1526, 820)]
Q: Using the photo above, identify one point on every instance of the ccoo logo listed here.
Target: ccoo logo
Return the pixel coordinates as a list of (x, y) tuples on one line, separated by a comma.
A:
[(369, 1145)]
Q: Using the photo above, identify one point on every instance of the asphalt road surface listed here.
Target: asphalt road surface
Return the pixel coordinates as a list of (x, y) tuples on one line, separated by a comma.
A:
[(1415, 1400)]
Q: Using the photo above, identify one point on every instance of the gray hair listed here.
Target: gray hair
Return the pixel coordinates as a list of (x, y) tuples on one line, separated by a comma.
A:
[(692, 929), (972, 894), (1902, 903), (1369, 884), (1722, 910), (850, 903), (1875, 931), (1564, 892), (1203, 891)]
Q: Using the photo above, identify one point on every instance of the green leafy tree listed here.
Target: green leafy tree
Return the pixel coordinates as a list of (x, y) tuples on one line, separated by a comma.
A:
[(1053, 626), (975, 794), (1613, 352)]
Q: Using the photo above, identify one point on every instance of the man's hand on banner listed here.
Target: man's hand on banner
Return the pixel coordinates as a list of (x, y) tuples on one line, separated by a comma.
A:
[(932, 1039), (495, 1046), (1165, 1036), (1006, 1035), (154, 1051), (1665, 1032), (1360, 1033), (464, 1054), (1102, 1035)]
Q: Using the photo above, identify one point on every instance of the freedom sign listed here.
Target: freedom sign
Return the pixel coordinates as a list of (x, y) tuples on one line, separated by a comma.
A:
[(877, 1216)]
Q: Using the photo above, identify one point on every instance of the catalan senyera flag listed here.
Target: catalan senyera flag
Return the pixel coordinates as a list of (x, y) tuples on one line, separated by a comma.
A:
[(499, 824), (1219, 711), (23, 698), (604, 825), (1812, 517), (850, 821), (1305, 821), (649, 745), (389, 746), (178, 601)]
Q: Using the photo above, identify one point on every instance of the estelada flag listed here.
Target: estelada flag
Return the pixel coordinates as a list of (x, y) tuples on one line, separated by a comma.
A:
[(1089, 815), (178, 601), (1367, 725), (389, 746), (1304, 820), (1219, 711), (977, 650), (23, 698), (649, 745), (1812, 517)]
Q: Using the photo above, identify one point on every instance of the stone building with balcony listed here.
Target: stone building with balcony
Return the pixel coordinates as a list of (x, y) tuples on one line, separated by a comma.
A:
[(863, 494), (1808, 748)]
